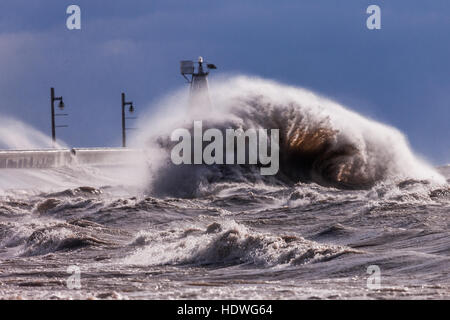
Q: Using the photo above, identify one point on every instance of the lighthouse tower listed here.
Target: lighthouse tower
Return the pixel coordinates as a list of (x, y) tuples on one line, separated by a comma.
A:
[(199, 100)]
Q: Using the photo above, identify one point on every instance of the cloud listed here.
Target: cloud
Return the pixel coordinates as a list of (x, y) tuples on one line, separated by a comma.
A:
[(136, 48), (119, 47)]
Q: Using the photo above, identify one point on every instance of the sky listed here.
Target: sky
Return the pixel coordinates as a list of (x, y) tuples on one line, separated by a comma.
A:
[(398, 75)]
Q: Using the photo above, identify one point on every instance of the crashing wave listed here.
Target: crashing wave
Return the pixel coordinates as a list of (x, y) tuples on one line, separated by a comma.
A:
[(320, 140), (230, 243), (64, 237)]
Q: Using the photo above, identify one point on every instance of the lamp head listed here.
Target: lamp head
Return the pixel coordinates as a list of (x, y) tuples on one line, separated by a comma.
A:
[(131, 108), (61, 105)]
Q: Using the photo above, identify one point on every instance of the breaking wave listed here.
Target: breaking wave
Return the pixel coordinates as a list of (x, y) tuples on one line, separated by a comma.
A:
[(31, 237), (320, 140), (229, 243)]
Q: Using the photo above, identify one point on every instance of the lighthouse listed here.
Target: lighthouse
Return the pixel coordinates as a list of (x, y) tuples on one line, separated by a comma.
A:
[(196, 75)]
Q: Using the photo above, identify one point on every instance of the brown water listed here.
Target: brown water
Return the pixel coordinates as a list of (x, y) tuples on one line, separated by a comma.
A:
[(242, 240)]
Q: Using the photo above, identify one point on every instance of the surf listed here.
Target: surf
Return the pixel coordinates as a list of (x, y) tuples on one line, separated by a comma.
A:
[(321, 141)]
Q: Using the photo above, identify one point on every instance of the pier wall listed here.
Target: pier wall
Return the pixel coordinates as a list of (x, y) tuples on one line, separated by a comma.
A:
[(51, 158)]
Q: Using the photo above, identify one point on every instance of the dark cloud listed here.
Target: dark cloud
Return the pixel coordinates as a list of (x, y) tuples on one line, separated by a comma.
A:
[(398, 74)]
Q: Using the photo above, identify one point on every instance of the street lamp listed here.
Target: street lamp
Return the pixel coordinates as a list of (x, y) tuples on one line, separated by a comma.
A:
[(61, 106), (124, 128)]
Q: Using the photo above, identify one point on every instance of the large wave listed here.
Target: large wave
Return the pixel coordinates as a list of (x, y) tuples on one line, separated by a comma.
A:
[(320, 140)]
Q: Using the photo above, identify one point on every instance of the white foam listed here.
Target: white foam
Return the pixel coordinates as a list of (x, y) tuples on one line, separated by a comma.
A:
[(383, 152), (17, 135)]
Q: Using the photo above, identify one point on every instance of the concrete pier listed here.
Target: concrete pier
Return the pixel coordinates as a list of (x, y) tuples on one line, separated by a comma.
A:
[(51, 158)]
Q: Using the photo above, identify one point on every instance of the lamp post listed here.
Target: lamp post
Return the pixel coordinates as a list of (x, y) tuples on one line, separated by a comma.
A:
[(124, 128), (53, 98)]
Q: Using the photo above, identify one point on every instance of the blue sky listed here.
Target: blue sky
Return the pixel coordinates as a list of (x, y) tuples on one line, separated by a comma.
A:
[(398, 75)]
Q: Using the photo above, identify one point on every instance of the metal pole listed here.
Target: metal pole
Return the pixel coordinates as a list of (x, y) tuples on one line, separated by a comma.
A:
[(52, 101), (124, 138)]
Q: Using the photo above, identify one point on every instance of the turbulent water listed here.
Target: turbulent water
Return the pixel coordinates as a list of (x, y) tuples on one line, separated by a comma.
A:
[(350, 194)]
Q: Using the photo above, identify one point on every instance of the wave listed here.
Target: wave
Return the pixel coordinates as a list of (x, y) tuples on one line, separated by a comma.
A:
[(32, 237), (320, 140), (65, 237), (228, 243)]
